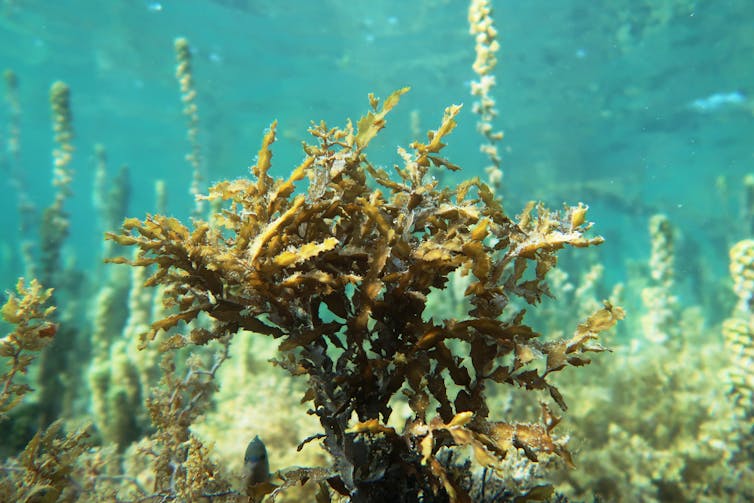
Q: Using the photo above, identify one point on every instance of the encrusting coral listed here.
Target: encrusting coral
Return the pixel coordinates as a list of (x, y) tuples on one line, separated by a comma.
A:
[(340, 273)]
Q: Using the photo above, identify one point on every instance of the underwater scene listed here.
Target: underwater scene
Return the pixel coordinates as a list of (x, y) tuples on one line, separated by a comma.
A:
[(376, 250)]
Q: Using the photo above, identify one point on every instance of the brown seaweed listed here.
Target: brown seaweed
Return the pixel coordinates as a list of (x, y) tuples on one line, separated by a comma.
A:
[(340, 272)]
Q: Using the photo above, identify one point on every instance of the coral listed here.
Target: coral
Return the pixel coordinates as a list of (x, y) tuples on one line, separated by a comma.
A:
[(340, 274)]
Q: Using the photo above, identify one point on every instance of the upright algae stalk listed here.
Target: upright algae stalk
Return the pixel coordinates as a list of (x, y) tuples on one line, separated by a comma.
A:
[(661, 305), (55, 364), (339, 273), (99, 189), (26, 209), (14, 105), (55, 223), (62, 127), (482, 27), (738, 331), (185, 75)]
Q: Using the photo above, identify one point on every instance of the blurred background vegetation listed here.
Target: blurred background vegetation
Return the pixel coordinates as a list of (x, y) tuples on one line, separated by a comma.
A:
[(636, 108)]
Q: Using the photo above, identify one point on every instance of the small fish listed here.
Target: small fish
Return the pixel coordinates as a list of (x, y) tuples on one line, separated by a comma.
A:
[(256, 466)]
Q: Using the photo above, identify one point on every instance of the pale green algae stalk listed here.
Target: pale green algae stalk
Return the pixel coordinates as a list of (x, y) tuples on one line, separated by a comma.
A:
[(56, 364), (659, 321), (738, 331)]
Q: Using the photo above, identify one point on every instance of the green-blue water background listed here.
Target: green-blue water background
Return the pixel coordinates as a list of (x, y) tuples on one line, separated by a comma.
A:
[(594, 97)]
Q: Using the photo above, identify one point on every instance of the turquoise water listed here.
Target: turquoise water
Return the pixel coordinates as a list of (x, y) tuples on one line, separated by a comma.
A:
[(602, 95), (633, 107)]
